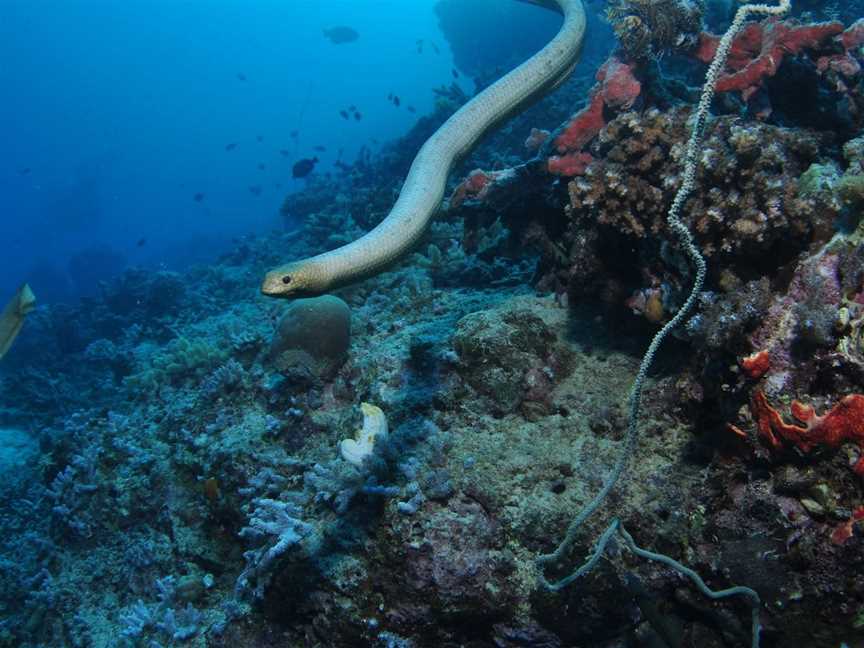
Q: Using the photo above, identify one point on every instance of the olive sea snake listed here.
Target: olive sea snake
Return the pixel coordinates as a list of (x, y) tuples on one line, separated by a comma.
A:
[(425, 183)]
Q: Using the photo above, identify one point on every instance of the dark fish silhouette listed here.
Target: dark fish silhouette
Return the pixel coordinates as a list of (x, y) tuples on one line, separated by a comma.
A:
[(231, 146), (396, 101), (358, 116), (390, 97), (24, 171), (342, 34), (352, 108), (260, 138), (435, 47), (320, 148), (261, 166), (141, 242), (455, 73), (241, 76), (198, 197), (255, 190), (304, 167), (284, 152), (411, 109), (344, 114), (294, 134), (419, 45)]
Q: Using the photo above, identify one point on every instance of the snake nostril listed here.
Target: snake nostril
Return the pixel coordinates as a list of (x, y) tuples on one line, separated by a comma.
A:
[(286, 279)]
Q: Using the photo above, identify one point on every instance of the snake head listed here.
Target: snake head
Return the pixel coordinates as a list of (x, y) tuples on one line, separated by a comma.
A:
[(292, 280)]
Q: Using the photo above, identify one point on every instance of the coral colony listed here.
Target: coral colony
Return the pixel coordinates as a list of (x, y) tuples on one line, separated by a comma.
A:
[(468, 447)]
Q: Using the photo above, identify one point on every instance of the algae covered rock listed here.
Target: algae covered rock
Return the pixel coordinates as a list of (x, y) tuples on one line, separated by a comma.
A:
[(313, 336), (503, 352)]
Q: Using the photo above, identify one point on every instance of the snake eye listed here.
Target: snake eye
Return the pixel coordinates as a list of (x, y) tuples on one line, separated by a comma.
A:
[(286, 279)]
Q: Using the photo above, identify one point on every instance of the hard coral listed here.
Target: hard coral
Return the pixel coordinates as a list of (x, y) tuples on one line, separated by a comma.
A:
[(844, 422), (745, 208), (313, 333)]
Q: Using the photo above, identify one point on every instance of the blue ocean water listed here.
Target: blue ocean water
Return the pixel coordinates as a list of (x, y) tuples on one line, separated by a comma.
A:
[(117, 114), (611, 396)]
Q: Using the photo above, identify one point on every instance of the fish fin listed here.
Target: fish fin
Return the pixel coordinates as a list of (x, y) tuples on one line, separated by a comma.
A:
[(12, 317)]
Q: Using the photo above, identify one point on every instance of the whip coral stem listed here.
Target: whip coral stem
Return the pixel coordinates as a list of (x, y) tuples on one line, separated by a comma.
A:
[(691, 161)]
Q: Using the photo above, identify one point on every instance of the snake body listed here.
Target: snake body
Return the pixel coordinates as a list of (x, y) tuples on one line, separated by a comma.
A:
[(423, 190)]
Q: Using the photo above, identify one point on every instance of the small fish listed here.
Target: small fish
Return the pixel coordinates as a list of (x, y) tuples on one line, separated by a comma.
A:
[(435, 47), (141, 242), (390, 97), (352, 108), (198, 197), (358, 116), (411, 109), (261, 166), (284, 152), (241, 76), (344, 114), (231, 146), (320, 149), (255, 190), (304, 167), (396, 101), (24, 171), (260, 138), (455, 73), (340, 35), (294, 134)]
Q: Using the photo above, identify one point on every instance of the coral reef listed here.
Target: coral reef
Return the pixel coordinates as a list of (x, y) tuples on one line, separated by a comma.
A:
[(171, 448), (312, 337), (759, 50), (647, 28)]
